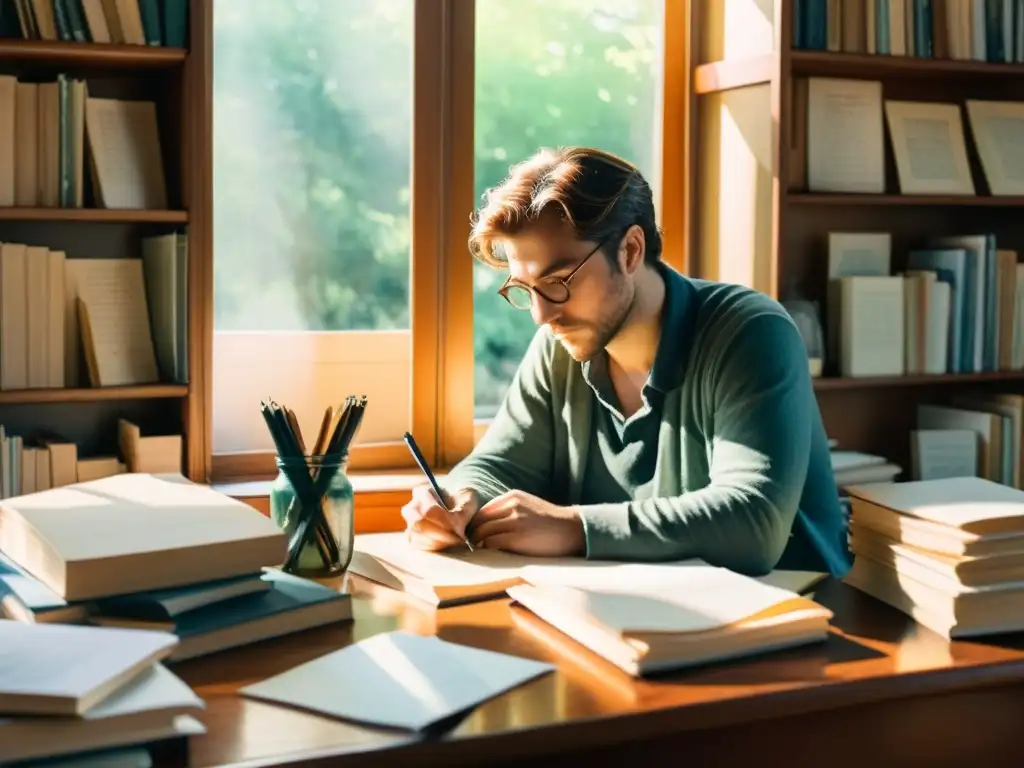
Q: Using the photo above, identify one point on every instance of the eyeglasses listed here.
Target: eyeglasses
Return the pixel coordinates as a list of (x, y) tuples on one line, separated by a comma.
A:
[(555, 289)]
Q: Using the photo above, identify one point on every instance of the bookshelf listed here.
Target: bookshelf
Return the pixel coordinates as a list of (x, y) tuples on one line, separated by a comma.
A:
[(751, 224), (177, 80)]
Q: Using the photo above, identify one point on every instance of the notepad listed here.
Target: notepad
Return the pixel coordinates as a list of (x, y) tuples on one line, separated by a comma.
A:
[(148, 703), (647, 619), (57, 669), (398, 680)]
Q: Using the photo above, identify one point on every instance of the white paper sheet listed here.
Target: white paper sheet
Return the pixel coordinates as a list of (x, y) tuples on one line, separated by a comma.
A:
[(398, 680)]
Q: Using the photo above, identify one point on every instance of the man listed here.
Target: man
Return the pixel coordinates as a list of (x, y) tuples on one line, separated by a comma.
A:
[(654, 417)]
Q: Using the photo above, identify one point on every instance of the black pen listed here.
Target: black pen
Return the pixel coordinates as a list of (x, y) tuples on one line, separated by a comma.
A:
[(422, 463)]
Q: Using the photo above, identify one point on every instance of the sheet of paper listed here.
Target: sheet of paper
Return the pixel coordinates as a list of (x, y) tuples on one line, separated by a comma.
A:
[(398, 680), (458, 566), (634, 597)]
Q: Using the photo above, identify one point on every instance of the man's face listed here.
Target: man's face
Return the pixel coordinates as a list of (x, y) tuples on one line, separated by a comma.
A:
[(600, 293)]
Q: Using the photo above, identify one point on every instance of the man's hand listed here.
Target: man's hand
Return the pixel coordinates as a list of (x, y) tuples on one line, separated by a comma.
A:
[(519, 522), (429, 527)]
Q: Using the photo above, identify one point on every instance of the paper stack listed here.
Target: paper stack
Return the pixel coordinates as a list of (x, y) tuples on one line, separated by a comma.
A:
[(66, 690), (155, 552), (949, 552), (653, 618)]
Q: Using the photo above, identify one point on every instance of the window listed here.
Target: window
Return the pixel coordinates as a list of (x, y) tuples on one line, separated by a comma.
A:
[(345, 173), (549, 73), (312, 138)]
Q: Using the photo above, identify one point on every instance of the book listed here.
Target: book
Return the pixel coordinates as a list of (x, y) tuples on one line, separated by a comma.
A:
[(61, 669), (367, 681), (24, 598), (948, 552), (143, 709), (288, 604), (651, 618), (133, 533)]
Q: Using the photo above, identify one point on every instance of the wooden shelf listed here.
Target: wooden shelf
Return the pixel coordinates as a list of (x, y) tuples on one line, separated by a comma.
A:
[(984, 201), (93, 394), (865, 65), (827, 384), (92, 54), (94, 214)]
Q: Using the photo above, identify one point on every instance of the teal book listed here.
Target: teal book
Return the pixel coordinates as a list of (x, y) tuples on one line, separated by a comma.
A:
[(24, 598), (164, 605), (290, 604), (953, 266)]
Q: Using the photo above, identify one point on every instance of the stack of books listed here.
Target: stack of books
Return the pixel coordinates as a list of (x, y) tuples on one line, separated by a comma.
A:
[(72, 691), (155, 552), (948, 552)]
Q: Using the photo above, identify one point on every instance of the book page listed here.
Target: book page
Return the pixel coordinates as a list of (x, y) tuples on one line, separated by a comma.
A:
[(398, 680), (941, 453), (845, 136), (998, 129), (455, 567), (124, 138), (113, 293), (928, 144), (955, 501), (682, 597)]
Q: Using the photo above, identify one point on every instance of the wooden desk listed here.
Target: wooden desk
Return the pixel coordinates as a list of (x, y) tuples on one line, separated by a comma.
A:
[(881, 689)]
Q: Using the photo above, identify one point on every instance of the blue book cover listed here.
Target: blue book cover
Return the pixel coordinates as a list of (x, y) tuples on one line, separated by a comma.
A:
[(882, 44), (951, 266), (984, 349)]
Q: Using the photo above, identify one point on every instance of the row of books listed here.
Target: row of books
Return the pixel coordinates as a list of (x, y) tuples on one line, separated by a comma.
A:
[(48, 461), (125, 319), (71, 576), (45, 130), (957, 307), (128, 22), (838, 141), (977, 30)]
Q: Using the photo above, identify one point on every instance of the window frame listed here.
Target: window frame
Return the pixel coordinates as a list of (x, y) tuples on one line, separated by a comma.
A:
[(441, 270)]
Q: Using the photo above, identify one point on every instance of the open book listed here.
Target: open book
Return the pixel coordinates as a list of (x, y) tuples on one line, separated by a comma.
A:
[(649, 618), (461, 576)]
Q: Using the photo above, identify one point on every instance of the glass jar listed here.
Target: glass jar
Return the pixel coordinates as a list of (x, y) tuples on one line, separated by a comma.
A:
[(304, 485)]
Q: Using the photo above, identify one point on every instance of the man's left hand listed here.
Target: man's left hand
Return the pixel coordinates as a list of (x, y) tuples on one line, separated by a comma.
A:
[(527, 525)]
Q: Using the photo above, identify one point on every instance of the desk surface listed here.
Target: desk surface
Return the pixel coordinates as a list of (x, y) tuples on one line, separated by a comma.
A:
[(874, 654)]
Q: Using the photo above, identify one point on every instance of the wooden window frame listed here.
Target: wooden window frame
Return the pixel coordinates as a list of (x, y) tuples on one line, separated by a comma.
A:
[(441, 270)]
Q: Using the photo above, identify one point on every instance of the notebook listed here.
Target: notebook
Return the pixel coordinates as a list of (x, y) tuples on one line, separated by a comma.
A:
[(398, 680), (648, 618), (59, 669)]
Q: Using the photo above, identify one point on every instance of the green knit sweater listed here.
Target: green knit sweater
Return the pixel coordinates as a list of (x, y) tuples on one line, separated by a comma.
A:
[(741, 475)]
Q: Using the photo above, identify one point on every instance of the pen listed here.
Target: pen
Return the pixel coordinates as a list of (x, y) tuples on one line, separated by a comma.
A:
[(422, 463)]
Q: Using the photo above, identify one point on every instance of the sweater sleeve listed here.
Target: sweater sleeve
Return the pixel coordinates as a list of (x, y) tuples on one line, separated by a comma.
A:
[(516, 451), (763, 405)]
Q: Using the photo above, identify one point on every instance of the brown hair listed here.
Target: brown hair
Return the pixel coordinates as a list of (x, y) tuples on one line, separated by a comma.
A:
[(598, 194)]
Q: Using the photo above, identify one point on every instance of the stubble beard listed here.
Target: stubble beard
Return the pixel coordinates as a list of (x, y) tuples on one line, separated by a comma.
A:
[(601, 334)]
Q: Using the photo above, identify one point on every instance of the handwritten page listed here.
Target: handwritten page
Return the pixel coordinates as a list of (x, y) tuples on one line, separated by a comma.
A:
[(124, 139), (457, 566), (398, 680), (111, 298), (941, 453), (845, 136)]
